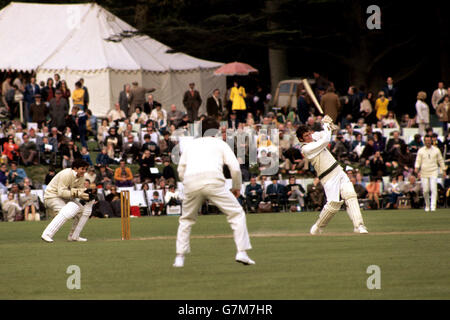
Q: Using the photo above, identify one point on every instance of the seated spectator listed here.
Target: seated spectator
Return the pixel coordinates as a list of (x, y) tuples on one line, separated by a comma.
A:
[(139, 117), (340, 148), (30, 204), (69, 153), (275, 193), (46, 152), (373, 192), (116, 114), (146, 162), (359, 189), (130, 149), (412, 189), (91, 175), (3, 178), (157, 204), (159, 117), (294, 161), (253, 195), (114, 139), (150, 145), (104, 177), (377, 165), (435, 141), (166, 145), (49, 176), (379, 143), (296, 192), (86, 156), (416, 144), (390, 121), (394, 191), (110, 207), (174, 116), (16, 175), (394, 144), (123, 175), (168, 171), (172, 197), (11, 149), (102, 132), (11, 208), (91, 124), (407, 122), (103, 158), (316, 194)]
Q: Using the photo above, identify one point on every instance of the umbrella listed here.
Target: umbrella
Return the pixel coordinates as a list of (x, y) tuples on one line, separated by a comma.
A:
[(235, 69)]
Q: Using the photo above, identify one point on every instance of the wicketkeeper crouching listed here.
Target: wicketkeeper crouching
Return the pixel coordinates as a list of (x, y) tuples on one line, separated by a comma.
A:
[(335, 181), (66, 196)]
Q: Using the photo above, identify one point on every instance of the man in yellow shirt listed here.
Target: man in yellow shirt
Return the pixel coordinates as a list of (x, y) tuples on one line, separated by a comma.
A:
[(428, 161), (78, 96), (381, 105)]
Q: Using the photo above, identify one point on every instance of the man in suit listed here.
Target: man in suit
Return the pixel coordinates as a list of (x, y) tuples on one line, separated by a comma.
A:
[(124, 98), (391, 93), (233, 121), (214, 104), (438, 95), (150, 104), (31, 90), (192, 102), (137, 97), (253, 195), (275, 193), (330, 103)]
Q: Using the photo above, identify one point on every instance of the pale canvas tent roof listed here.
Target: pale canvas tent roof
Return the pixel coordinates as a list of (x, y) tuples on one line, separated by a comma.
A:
[(72, 37)]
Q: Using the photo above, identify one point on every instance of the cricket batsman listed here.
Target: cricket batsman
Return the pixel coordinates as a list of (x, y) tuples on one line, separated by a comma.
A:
[(65, 195), (428, 160), (335, 181)]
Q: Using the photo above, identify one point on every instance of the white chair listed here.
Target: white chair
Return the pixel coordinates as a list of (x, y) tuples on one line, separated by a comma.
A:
[(438, 130), (33, 125), (39, 193), (137, 198), (125, 189)]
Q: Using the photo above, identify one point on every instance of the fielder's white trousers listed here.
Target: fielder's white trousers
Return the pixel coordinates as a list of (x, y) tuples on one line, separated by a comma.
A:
[(223, 199), (430, 184)]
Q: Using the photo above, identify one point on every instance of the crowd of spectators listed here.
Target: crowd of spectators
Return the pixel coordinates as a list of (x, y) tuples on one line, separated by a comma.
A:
[(133, 144)]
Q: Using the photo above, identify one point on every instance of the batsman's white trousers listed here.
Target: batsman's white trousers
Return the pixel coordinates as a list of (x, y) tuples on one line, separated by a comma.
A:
[(333, 186), (430, 184), (223, 199)]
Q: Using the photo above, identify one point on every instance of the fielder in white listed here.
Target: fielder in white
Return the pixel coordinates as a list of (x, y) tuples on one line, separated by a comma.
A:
[(335, 181), (64, 195), (201, 170), (428, 161)]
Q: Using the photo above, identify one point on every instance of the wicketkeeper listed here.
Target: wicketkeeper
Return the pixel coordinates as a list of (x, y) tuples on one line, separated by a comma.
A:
[(335, 181), (66, 196)]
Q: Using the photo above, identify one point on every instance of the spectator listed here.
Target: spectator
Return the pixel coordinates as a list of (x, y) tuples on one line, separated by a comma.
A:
[(391, 92), (6, 86), (330, 103), (366, 108), (443, 112), (114, 139), (381, 105), (275, 193), (124, 98), (86, 95), (394, 191), (3, 178), (103, 158), (377, 165), (116, 114), (49, 176), (359, 188), (31, 90), (130, 149), (192, 102), (123, 175), (58, 111), (316, 194), (407, 122), (91, 175), (11, 101), (159, 116), (86, 156), (146, 162), (166, 145), (435, 141), (28, 151), (137, 97), (78, 96), (168, 171), (174, 116), (38, 111), (11, 208), (296, 192), (438, 95), (150, 104), (340, 148), (104, 177), (69, 153), (423, 112), (214, 104), (416, 144), (58, 81), (30, 204), (157, 205), (48, 92), (91, 124), (16, 175), (139, 117), (373, 192), (390, 121), (11, 149), (412, 190), (253, 195), (172, 197), (151, 142), (394, 145), (102, 132), (65, 91)]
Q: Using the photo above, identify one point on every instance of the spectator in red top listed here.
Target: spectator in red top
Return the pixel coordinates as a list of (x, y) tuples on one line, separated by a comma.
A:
[(11, 149)]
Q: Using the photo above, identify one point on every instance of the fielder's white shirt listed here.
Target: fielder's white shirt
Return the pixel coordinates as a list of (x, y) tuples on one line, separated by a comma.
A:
[(428, 161)]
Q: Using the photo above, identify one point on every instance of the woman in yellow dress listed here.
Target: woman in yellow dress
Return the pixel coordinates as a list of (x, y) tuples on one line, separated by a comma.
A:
[(381, 105), (237, 96)]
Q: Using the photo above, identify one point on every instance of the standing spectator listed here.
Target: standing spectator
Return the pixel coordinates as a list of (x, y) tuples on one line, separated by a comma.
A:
[(366, 108), (303, 107), (381, 105), (65, 91), (30, 204), (85, 96), (11, 208), (237, 96), (58, 111), (137, 97), (6, 86), (391, 93), (438, 94), (38, 111), (78, 96), (28, 151), (124, 98), (428, 161), (192, 102), (423, 112), (443, 112), (58, 81), (330, 103), (214, 104), (91, 124), (48, 92), (31, 90), (123, 175)]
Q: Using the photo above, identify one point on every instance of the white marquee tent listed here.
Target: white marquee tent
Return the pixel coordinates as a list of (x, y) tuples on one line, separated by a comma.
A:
[(71, 40)]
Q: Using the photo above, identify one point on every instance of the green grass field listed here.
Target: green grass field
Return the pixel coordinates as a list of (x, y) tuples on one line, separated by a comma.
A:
[(412, 249)]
